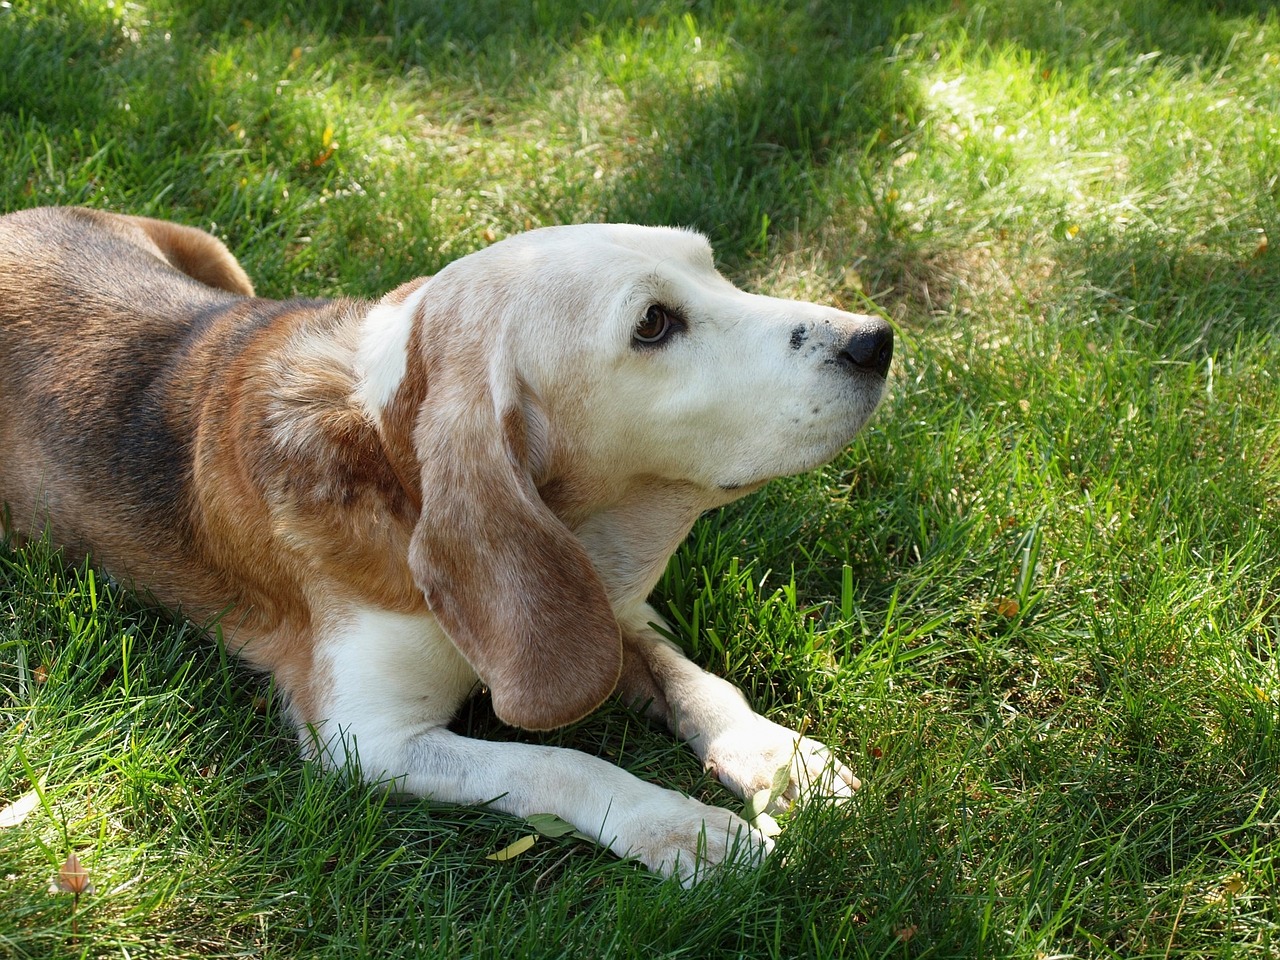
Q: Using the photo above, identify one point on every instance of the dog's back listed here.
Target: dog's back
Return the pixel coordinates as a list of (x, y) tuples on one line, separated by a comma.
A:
[(95, 318)]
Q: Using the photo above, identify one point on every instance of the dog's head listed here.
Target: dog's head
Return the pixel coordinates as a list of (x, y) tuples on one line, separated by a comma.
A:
[(598, 360)]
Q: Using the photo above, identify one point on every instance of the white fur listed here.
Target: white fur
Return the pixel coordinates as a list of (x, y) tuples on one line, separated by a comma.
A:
[(383, 351), (395, 680), (388, 675), (743, 749), (727, 404)]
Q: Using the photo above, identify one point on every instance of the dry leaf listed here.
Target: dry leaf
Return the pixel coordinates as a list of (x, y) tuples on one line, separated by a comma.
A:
[(16, 812), (73, 878), (514, 850), (1007, 607)]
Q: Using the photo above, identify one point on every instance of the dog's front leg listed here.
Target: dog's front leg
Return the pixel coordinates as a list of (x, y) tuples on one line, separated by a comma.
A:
[(743, 749), (663, 829), (392, 681)]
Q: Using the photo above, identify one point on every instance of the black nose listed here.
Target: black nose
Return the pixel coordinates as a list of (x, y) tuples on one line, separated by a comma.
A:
[(870, 349)]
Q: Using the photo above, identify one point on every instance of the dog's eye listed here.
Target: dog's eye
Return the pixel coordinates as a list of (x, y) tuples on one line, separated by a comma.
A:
[(657, 325)]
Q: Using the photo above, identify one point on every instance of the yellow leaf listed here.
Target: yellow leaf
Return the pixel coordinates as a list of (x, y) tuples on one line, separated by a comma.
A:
[(326, 138), (514, 850), (1007, 607), (19, 810)]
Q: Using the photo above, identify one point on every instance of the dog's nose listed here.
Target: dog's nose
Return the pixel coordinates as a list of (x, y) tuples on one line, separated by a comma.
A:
[(870, 349)]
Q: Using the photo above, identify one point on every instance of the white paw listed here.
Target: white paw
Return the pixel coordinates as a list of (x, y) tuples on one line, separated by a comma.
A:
[(680, 837), (748, 758)]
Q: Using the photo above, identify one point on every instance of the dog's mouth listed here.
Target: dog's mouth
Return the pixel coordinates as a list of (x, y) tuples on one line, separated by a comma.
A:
[(741, 489), (802, 455)]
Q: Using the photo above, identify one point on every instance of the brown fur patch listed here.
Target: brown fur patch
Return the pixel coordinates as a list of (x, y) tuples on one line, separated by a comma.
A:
[(197, 254), (200, 444)]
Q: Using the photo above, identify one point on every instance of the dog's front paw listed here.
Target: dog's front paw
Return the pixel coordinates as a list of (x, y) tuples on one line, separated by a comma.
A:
[(682, 838), (748, 759)]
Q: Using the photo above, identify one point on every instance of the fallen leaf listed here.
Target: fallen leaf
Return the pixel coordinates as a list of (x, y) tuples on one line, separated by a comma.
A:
[(1007, 607), (19, 810), (766, 825), (781, 780), (549, 825), (756, 804), (514, 850), (73, 878)]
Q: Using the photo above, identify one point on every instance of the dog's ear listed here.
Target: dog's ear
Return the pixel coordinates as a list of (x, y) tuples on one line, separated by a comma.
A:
[(508, 581)]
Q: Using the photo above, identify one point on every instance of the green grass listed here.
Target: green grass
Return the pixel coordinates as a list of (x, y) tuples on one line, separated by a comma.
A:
[(1035, 604)]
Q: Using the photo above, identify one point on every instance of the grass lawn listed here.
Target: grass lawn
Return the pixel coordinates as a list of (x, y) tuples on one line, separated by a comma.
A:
[(1036, 604)]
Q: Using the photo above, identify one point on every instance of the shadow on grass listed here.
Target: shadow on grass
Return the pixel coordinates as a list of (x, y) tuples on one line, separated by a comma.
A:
[(730, 158), (1184, 302)]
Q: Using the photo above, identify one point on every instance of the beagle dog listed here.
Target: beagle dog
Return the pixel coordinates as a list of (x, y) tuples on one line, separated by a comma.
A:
[(477, 479)]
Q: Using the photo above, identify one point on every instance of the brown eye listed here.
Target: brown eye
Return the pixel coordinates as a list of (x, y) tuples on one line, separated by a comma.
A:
[(656, 326)]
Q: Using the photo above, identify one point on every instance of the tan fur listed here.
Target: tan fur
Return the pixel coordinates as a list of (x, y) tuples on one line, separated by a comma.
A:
[(289, 494)]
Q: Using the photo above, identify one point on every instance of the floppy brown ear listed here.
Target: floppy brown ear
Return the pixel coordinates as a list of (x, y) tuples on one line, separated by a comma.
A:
[(514, 589), (199, 255)]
